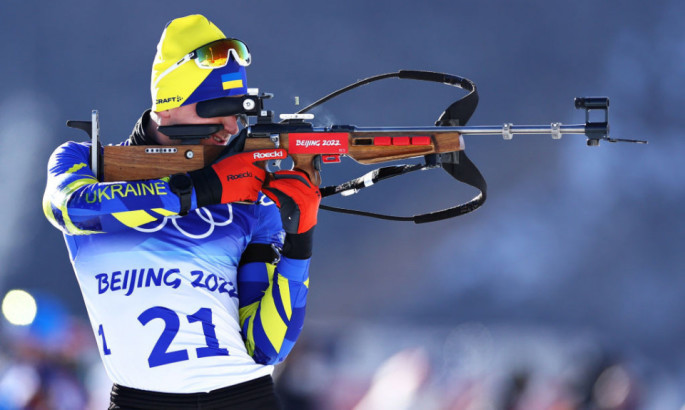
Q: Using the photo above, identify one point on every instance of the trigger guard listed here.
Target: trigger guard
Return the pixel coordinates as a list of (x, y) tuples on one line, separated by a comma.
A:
[(286, 164)]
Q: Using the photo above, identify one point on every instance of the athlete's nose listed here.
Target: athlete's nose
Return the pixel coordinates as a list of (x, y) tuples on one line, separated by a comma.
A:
[(231, 124)]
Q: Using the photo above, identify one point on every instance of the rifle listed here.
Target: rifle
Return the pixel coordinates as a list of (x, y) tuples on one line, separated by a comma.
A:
[(441, 145)]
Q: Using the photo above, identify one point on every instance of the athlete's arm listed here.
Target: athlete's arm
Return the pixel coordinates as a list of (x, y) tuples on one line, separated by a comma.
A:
[(272, 306), (76, 203), (273, 296)]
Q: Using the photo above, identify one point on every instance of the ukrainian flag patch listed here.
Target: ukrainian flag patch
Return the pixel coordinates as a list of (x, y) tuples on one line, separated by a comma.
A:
[(232, 80)]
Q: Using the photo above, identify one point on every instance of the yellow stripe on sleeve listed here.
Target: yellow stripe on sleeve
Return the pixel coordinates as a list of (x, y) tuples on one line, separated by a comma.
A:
[(134, 219), (284, 290), (248, 312), (164, 212), (76, 167), (272, 323)]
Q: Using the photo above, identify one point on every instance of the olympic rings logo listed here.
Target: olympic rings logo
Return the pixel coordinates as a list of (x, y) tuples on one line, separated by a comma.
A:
[(202, 213)]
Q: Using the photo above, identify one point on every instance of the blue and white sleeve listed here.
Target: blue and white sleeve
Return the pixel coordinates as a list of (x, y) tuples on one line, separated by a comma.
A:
[(78, 204), (272, 297)]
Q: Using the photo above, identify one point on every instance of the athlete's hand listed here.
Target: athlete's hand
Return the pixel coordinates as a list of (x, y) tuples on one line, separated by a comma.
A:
[(298, 201), (296, 197), (233, 178)]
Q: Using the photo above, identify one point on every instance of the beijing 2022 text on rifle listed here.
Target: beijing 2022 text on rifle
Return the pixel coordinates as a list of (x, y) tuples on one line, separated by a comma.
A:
[(440, 145)]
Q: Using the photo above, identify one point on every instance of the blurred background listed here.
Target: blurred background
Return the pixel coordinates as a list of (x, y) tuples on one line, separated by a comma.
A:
[(564, 291)]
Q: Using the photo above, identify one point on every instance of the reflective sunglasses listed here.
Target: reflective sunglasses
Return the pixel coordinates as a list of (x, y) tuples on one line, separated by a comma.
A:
[(213, 55)]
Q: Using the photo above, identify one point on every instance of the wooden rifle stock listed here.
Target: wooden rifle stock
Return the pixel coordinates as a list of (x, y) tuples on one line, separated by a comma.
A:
[(128, 163)]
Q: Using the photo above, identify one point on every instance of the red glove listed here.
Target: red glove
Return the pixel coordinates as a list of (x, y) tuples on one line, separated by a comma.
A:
[(233, 178), (296, 197)]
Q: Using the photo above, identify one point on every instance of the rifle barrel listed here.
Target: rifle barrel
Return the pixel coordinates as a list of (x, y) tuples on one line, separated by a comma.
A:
[(504, 129), (523, 129)]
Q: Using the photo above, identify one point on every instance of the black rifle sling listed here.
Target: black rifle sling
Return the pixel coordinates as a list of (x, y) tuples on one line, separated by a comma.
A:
[(457, 164)]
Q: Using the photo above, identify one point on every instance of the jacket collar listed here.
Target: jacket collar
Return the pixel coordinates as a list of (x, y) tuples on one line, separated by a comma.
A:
[(138, 135)]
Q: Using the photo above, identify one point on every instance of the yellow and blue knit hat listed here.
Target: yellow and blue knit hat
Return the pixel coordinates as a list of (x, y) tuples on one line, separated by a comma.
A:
[(189, 83)]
